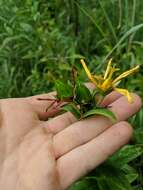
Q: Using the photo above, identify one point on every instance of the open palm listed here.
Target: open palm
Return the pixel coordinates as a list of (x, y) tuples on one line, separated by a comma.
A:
[(41, 154)]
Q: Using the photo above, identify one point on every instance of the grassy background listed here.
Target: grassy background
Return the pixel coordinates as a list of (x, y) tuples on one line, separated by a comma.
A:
[(40, 40)]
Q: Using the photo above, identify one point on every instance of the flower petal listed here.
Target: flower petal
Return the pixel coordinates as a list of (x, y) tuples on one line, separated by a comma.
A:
[(90, 76), (112, 71), (108, 69), (126, 73), (126, 93), (106, 85)]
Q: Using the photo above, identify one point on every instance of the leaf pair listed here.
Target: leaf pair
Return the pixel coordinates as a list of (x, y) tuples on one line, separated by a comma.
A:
[(81, 102), (80, 93)]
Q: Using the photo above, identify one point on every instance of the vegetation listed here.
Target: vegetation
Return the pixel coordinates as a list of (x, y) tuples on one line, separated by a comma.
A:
[(41, 41)]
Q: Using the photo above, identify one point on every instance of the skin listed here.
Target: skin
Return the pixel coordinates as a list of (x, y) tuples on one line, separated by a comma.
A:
[(41, 154)]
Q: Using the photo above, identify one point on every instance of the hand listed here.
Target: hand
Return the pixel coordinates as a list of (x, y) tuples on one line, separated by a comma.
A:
[(36, 154)]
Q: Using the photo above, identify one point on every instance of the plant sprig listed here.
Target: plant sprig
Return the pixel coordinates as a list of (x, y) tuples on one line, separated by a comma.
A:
[(83, 102)]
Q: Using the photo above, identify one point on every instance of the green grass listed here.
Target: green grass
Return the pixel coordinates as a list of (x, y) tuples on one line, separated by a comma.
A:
[(40, 40)]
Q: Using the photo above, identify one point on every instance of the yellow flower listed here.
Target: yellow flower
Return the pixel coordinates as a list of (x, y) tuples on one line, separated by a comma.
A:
[(107, 82)]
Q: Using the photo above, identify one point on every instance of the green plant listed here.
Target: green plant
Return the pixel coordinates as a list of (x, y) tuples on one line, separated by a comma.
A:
[(41, 40)]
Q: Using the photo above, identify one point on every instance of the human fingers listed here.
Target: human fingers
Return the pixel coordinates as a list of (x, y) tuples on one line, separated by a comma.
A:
[(83, 131), (83, 159), (110, 98)]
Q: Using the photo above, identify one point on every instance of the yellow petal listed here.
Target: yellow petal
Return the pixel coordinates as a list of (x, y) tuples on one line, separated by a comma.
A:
[(90, 76), (106, 84), (99, 78), (126, 73), (126, 93), (108, 69), (112, 71)]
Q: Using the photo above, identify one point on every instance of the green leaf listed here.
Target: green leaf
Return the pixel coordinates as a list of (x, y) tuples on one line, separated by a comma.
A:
[(73, 109), (127, 154), (63, 90), (120, 183), (138, 136), (132, 177), (108, 183), (130, 172), (128, 33), (85, 184), (102, 183), (101, 111), (82, 93), (113, 178)]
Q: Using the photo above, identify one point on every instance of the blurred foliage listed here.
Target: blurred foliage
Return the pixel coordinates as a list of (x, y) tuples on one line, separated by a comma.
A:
[(41, 40)]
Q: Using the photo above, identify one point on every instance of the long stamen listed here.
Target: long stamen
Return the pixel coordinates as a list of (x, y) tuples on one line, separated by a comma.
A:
[(126, 73), (108, 81), (90, 76), (113, 70), (108, 69)]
